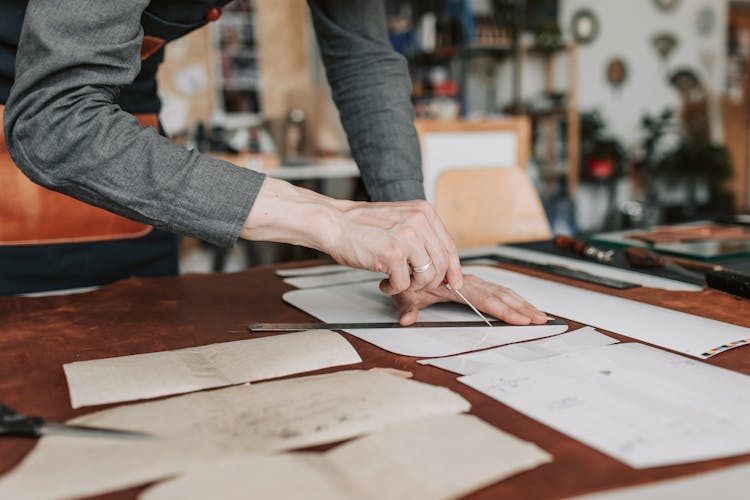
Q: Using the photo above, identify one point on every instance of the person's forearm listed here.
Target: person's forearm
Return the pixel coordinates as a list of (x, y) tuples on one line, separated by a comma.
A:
[(371, 87), (288, 214), (65, 132)]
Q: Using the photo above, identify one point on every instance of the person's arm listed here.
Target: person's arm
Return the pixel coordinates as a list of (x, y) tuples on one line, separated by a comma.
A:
[(371, 87), (65, 133)]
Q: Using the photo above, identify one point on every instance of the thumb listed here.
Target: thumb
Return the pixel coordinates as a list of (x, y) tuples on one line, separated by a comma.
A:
[(408, 315)]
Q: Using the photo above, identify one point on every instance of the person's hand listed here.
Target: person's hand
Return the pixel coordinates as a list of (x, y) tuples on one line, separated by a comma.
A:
[(405, 240), (498, 301)]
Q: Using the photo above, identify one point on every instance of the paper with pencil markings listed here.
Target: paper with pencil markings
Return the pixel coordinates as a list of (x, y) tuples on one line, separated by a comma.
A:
[(195, 428), (641, 405), (686, 333), (473, 362), (364, 303), (150, 375), (425, 459)]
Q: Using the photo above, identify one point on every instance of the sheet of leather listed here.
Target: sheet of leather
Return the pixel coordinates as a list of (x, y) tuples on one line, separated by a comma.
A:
[(39, 335), (266, 417), (414, 460), (32, 214), (164, 373)]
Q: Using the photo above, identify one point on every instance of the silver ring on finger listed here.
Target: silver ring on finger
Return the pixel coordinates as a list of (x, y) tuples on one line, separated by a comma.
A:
[(422, 269)]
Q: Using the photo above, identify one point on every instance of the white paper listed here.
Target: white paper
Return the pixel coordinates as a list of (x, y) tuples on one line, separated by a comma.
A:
[(682, 332), (729, 483), (429, 458), (330, 279), (195, 428), (150, 375), (363, 302), (474, 362), (607, 271), (466, 149), (641, 405), (312, 270)]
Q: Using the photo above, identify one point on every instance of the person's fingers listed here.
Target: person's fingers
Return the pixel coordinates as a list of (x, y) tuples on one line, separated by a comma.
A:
[(444, 241), (408, 315), (399, 277), (502, 302), (520, 305), (423, 269), (454, 276)]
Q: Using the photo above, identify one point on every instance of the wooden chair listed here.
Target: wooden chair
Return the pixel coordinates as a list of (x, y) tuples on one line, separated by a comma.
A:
[(475, 176)]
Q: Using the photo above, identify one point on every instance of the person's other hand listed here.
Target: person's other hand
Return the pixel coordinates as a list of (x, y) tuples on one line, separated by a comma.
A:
[(498, 301)]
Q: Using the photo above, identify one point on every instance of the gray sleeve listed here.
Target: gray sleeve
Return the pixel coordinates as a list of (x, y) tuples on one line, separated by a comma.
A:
[(65, 133), (371, 87)]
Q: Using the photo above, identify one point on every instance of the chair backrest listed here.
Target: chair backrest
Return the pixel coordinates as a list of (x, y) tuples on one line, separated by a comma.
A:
[(486, 206), (448, 145), (475, 176)]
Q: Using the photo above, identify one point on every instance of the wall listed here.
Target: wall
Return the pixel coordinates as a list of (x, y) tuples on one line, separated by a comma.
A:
[(625, 30)]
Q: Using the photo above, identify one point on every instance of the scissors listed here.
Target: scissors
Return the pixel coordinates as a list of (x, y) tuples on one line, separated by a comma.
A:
[(15, 424)]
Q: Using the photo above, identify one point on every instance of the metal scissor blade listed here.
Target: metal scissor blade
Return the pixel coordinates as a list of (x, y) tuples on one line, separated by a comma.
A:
[(51, 428)]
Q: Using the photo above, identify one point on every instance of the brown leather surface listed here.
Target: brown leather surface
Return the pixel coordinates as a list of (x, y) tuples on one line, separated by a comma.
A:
[(38, 335), (32, 214)]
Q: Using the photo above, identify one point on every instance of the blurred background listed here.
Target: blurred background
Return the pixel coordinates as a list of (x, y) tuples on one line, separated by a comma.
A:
[(637, 111)]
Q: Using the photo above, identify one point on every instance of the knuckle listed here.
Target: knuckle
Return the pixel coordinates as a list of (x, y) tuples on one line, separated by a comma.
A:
[(393, 252), (407, 232)]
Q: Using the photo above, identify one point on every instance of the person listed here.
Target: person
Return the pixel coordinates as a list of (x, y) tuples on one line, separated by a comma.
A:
[(83, 69)]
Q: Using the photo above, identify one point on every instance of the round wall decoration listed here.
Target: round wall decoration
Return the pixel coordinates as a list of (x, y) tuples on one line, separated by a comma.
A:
[(685, 80), (664, 44), (666, 5), (617, 72), (584, 25)]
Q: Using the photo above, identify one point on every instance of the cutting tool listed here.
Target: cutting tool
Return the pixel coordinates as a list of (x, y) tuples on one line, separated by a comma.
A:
[(461, 295), (15, 424)]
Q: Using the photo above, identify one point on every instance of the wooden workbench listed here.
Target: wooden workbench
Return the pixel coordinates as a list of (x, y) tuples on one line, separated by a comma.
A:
[(39, 335)]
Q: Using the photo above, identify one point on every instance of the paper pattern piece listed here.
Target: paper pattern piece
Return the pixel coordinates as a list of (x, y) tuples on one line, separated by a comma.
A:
[(197, 427), (150, 375), (641, 405), (682, 332), (474, 362), (425, 459), (616, 273), (312, 270), (727, 484), (363, 302), (329, 279)]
